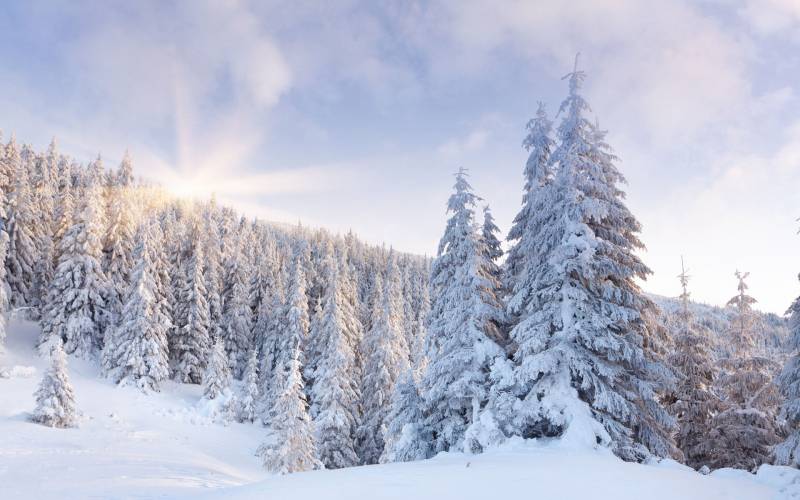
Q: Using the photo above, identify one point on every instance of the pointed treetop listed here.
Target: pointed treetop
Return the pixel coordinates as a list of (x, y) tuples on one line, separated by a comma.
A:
[(684, 278)]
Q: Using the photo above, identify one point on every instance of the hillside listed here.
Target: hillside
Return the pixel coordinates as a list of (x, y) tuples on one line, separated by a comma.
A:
[(131, 445)]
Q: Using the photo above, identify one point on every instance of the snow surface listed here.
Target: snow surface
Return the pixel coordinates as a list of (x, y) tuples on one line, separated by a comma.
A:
[(164, 445)]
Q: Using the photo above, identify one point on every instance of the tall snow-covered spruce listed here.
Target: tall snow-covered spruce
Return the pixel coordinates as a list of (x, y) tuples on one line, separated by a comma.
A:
[(462, 328), (76, 302), (693, 402), (386, 357), (291, 447), (788, 452), (745, 430), (336, 387), (136, 350), (581, 371)]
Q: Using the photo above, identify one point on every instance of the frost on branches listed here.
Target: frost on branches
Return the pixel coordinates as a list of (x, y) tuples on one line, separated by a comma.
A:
[(55, 399), (462, 326), (136, 350), (693, 401), (581, 368), (336, 388), (292, 447), (744, 432), (788, 452)]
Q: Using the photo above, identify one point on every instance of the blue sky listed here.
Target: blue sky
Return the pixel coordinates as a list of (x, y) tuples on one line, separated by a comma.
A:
[(355, 114)]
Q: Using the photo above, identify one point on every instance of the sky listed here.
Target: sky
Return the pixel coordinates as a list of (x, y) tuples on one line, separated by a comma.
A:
[(355, 114)]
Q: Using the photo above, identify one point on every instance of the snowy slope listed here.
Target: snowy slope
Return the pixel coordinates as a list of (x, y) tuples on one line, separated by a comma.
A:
[(128, 444), (161, 446)]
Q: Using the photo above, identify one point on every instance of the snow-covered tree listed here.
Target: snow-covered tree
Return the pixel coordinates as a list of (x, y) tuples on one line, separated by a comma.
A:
[(335, 390), (407, 437), (248, 398), (385, 359), (529, 222), (118, 241), (464, 306), (745, 430), (582, 372), (236, 312), (295, 330), (292, 447), (191, 340), (22, 254), (44, 197), (3, 254), (55, 398), (693, 401), (136, 350), (76, 305), (788, 452), (217, 377)]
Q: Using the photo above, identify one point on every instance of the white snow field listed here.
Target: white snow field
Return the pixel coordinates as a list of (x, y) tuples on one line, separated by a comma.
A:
[(131, 445)]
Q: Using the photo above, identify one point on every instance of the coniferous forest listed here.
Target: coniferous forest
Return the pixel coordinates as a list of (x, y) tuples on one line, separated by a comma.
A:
[(346, 353)]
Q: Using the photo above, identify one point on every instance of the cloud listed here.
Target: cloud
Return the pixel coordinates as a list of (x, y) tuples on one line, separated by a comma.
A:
[(771, 17), (474, 141), (744, 216)]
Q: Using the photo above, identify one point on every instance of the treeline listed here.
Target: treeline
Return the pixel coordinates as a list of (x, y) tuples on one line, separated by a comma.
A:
[(560, 342), (274, 318), (352, 354)]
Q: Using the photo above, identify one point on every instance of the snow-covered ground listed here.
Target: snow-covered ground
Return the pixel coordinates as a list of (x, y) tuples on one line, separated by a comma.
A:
[(161, 446)]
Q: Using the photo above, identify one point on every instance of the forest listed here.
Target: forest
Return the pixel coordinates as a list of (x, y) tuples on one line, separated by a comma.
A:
[(348, 353)]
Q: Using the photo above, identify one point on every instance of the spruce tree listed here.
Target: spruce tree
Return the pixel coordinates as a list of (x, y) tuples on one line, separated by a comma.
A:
[(533, 216), (76, 308), (582, 372), (788, 452), (745, 430), (248, 398), (236, 313), (44, 228), (693, 402), (335, 390), (136, 349), (191, 340), (292, 447), (118, 240), (22, 254), (455, 386), (217, 376), (385, 359), (407, 437), (55, 398)]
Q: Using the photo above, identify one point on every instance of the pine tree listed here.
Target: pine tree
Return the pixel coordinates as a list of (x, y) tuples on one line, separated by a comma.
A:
[(745, 430), (455, 386), (76, 308), (136, 349), (335, 389), (407, 438), (788, 452), (44, 228), (385, 358), (118, 240), (55, 398), (582, 371), (217, 377), (236, 314), (248, 398), (191, 341), (292, 448), (22, 255), (693, 402), (3, 254), (533, 217)]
